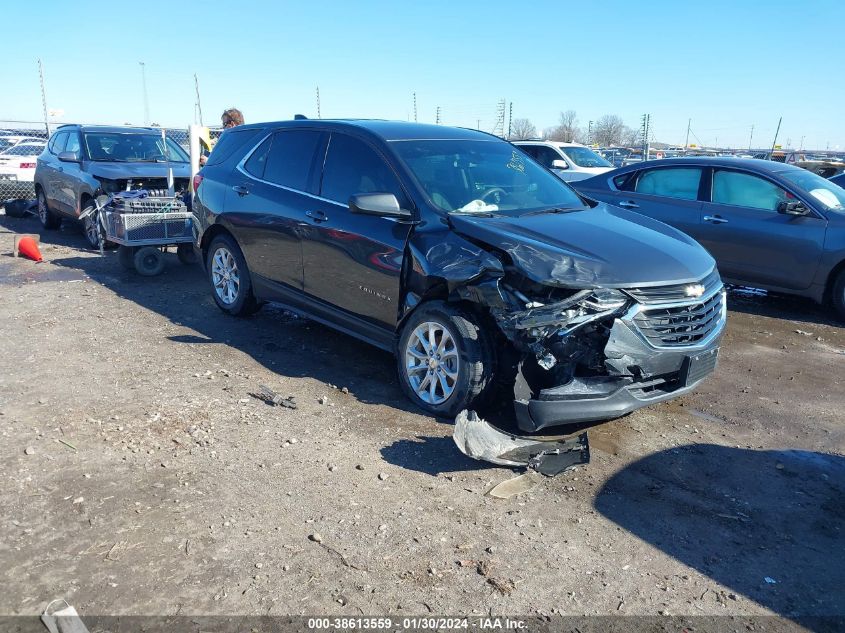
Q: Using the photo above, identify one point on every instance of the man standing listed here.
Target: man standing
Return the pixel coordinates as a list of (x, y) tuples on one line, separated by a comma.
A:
[(230, 118)]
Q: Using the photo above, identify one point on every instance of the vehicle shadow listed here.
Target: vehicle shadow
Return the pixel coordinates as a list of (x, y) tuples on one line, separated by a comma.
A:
[(431, 455), (767, 524), (280, 341), (762, 303)]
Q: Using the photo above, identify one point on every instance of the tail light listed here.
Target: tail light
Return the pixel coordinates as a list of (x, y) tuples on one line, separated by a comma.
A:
[(197, 182), (27, 166)]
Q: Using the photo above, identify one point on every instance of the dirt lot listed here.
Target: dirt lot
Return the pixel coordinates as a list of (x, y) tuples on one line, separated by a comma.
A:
[(138, 476)]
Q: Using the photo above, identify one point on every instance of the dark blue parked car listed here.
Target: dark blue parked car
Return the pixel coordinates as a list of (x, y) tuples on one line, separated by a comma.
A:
[(767, 224)]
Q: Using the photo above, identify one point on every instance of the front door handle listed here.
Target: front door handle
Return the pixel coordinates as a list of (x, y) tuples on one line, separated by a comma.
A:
[(317, 216), (715, 219), (61, 168), (241, 190), (630, 204)]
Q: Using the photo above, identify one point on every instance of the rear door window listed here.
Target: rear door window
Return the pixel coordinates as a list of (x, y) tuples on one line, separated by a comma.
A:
[(353, 167), (258, 160), (672, 182), (291, 159), (745, 190)]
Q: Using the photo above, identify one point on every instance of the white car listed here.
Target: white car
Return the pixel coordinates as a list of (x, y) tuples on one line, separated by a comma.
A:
[(570, 161), (17, 169)]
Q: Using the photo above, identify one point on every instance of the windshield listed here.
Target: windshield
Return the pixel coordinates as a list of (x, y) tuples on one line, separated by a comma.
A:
[(832, 196), (584, 157), (122, 147), (492, 177)]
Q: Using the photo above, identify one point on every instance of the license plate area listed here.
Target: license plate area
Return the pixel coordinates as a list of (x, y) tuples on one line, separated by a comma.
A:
[(698, 366)]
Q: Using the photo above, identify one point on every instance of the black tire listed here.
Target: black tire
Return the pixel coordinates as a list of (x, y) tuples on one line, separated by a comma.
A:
[(244, 302), (126, 257), (49, 219), (149, 261), (16, 208), (837, 294), (475, 357), (187, 255)]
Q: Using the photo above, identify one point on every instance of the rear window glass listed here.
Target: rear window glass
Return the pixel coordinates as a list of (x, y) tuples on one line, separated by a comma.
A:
[(678, 182), (231, 141)]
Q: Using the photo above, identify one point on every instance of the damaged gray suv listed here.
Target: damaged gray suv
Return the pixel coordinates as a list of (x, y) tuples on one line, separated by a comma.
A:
[(488, 277)]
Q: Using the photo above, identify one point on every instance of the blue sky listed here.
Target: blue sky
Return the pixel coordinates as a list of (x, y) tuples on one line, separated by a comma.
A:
[(727, 65)]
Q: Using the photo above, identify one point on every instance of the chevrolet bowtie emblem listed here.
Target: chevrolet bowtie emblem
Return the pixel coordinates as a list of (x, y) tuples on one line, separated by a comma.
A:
[(694, 290)]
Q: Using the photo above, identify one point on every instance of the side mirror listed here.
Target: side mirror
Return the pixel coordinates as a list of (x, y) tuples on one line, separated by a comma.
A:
[(381, 204), (559, 164), (69, 157), (792, 208)]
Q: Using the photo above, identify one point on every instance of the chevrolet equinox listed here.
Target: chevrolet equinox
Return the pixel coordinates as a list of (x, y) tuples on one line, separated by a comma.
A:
[(483, 272)]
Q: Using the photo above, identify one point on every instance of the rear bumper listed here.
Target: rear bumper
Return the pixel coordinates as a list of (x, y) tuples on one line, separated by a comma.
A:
[(666, 373)]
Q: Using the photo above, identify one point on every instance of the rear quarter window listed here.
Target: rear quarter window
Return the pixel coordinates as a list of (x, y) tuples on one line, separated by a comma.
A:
[(230, 142), (681, 183)]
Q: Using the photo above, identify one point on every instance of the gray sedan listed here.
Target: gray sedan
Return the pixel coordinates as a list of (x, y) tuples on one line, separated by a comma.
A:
[(767, 224)]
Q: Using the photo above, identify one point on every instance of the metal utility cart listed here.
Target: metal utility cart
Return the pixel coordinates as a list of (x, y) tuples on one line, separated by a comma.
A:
[(144, 226)]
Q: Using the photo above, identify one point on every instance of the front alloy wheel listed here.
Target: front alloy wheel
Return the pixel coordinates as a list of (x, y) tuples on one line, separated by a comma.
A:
[(432, 362), (445, 358)]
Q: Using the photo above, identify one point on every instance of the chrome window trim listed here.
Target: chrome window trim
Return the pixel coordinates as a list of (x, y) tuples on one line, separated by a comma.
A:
[(240, 167)]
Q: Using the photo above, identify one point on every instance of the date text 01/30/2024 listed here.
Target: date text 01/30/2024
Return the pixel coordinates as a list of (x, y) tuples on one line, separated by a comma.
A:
[(416, 623)]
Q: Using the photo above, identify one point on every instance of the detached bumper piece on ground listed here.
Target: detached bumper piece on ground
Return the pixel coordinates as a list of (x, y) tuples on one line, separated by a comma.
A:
[(477, 439)]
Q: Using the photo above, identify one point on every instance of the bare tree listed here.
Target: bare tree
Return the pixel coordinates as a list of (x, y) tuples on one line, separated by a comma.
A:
[(567, 130), (608, 130), (568, 125), (522, 130), (630, 137)]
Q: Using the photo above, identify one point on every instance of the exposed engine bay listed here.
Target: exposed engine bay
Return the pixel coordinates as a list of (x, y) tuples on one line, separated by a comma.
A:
[(156, 186)]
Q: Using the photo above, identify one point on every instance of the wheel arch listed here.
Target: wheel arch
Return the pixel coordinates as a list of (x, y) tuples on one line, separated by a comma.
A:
[(831, 279)]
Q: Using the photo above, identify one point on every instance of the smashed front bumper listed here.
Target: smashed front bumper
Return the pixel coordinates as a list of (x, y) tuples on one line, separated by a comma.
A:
[(647, 366)]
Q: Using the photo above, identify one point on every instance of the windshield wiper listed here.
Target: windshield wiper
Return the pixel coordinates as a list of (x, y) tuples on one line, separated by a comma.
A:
[(555, 210)]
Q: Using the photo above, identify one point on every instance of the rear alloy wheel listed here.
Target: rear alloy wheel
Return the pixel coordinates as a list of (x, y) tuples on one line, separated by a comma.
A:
[(49, 220), (445, 359), (229, 276)]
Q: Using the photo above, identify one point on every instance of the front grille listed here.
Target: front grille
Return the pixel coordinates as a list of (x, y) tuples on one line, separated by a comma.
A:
[(676, 292), (682, 325)]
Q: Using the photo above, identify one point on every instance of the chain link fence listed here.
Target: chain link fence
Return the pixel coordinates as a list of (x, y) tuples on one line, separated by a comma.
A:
[(21, 142)]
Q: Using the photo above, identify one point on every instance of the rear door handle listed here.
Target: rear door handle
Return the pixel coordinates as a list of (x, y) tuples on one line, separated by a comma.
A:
[(241, 190), (715, 219), (629, 205), (317, 216)]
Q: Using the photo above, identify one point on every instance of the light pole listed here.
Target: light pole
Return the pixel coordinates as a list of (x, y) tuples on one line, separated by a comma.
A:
[(144, 86)]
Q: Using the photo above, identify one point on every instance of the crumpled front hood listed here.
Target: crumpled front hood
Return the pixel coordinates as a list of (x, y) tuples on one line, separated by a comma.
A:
[(119, 171), (600, 247)]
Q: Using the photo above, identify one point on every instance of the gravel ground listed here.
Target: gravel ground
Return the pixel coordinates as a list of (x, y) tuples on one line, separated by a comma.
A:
[(139, 476)]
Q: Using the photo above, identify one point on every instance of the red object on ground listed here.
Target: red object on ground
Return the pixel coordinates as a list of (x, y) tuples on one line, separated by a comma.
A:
[(28, 248)]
